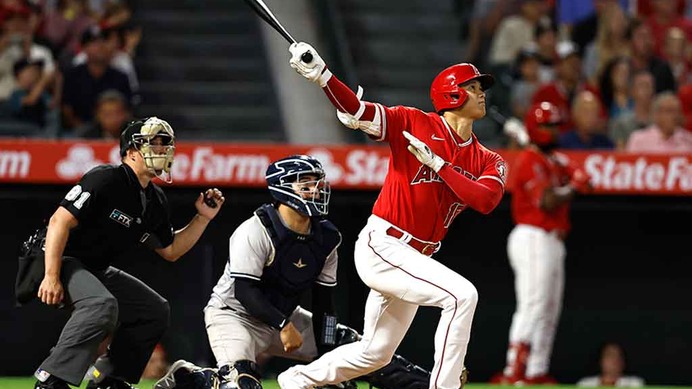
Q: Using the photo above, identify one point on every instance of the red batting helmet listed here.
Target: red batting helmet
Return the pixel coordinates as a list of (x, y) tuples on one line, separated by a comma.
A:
[(542, 114), (445, 91)]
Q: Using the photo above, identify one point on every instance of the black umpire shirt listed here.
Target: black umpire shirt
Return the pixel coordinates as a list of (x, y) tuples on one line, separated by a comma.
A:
[(115, 214)]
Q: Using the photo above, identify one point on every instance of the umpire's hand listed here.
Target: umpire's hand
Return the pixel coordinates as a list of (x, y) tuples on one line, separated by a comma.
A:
[(209, 203), (291, 338), (51, 291)]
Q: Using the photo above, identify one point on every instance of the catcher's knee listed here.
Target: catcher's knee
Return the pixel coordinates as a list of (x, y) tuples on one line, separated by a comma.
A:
[(244, 374)]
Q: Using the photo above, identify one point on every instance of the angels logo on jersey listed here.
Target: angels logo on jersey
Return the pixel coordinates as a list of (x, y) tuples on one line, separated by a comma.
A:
[(426, 175), (501, 170)]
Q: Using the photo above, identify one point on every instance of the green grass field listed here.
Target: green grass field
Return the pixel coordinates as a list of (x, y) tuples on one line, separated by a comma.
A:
[(28, 383)]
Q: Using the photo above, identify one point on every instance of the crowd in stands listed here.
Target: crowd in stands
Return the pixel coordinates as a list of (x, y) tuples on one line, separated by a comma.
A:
[(620, 71), (66, 67)]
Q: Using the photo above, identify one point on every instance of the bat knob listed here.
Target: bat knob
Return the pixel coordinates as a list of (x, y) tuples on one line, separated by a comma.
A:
[(306, 57)]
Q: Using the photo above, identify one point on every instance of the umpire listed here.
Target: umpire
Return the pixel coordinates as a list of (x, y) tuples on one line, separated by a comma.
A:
[(110, 211)]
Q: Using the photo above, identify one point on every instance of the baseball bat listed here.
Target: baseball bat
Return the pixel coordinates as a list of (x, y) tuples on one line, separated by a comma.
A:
[(496, 116), (266, 14)]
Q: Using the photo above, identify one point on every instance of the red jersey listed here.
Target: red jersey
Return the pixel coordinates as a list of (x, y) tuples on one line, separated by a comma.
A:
[(532, 173), (414, 197)]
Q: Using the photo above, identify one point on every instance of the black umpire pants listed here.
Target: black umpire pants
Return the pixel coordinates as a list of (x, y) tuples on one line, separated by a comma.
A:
[(106, 302)]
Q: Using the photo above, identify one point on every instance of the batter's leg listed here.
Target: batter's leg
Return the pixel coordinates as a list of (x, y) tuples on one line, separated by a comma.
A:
[(386, 321)]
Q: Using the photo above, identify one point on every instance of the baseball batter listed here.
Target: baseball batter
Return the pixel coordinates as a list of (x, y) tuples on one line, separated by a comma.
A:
[(436, 170), (543, 182)]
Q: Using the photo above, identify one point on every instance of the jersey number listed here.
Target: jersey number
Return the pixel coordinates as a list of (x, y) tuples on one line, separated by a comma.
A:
[(76, 193), (454, 210)]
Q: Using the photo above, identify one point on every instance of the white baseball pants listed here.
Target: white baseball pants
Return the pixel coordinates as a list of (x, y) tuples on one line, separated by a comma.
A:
[(537, 258), (400, 279)]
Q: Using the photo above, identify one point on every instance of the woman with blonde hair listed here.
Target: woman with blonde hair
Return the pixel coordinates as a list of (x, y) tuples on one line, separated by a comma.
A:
[(611, 41)]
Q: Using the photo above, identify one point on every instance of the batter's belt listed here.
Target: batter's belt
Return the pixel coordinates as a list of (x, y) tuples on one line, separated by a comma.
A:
[(423, 247)]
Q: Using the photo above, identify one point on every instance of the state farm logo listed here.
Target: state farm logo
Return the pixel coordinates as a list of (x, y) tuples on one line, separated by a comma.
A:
[(14, 164), (204, 165), (607, 173), (332, 170), (79, 160)]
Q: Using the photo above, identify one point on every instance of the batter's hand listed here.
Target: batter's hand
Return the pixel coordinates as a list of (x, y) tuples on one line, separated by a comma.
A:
[(50, 291), (423, 153), (291, 338), (212, 196), (316, 70)]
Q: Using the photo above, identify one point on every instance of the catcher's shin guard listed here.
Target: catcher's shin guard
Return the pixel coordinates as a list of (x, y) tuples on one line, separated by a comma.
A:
[(244, 374)]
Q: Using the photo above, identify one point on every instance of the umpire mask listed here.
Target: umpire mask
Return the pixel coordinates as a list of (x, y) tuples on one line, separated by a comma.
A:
[(155, 141), (299, 182)]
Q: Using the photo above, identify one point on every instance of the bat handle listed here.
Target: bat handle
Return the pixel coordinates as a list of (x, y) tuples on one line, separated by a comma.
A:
[(306, 57)]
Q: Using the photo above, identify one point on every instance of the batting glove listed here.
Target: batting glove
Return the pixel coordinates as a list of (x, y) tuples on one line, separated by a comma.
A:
[(515, 129), (423, 153), (316, 70)]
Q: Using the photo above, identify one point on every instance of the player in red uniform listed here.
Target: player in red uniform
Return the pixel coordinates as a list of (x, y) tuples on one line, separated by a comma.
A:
[(436, 170), (542, 183)]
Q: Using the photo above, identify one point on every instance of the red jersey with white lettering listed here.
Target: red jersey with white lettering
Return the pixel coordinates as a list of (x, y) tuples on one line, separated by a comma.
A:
[(532, 173), (414, 197)]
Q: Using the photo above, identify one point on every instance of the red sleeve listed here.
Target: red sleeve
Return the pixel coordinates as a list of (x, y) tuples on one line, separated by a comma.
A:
[(392, 120), (483, 196)]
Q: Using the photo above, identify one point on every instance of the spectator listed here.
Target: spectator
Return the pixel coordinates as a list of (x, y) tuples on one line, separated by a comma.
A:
[(64, 25), (112, 111), (678, 53), (567, 84), (157, 365), (515, 32), (17, 43), (615, 87), (666, 134), (119, 58), (643, 57), (527, 81), (546, 41), (485, 17), (584, 31), (28, 74), (85, 82), (611, 41), (613, 364), (586, 134), (665, 16), (620, 128)]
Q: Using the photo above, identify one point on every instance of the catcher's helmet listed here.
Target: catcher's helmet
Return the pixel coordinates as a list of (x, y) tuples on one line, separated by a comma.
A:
[(299, 182), (446, 92), (539, 116), (140, 133)]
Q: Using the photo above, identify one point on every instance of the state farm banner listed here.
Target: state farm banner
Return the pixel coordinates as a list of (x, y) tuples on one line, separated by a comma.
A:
[(349, 167)]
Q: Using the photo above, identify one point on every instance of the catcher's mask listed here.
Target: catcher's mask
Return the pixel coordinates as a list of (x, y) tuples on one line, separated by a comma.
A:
[(155, 141), (299, 182)]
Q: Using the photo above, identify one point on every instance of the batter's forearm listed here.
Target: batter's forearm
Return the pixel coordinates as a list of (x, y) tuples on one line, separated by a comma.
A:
[(345, 100), (477, 195)]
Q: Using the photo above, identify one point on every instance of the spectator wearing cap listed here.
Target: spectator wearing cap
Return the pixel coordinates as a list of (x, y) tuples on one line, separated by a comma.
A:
[(611, 42), (666, 134), (526, 80), (545, 37), (84, 83), (568, 82), (644, 58), (642, 93), (16, 43), (28, 74), (119, 58), (112, 112), (586, 133)]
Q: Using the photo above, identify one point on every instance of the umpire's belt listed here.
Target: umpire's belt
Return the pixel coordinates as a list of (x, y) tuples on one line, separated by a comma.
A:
[(423, 247)]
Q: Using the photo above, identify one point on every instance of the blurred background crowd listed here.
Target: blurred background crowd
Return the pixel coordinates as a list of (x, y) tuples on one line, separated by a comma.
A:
[(619, 70)]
